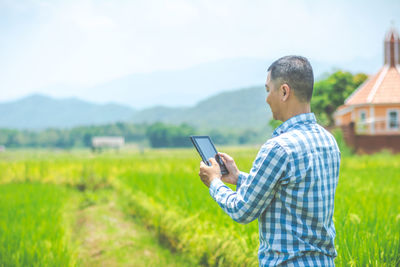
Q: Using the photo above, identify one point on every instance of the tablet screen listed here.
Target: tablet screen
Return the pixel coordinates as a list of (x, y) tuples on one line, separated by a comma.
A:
[(206, 147), (207, 150)]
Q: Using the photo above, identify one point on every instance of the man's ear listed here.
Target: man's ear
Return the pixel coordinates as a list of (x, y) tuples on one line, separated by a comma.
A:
[(285, 89)]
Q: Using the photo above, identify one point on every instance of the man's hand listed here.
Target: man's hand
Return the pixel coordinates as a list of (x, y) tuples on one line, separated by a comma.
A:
[(209, 173), (233, 175)]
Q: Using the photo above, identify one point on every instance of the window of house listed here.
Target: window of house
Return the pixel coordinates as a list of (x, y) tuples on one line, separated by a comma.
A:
[(393, 119), (363, 116), (361, 124)]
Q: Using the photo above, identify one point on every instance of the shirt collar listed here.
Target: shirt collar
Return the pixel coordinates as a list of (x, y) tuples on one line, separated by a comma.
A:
[(304, 118)]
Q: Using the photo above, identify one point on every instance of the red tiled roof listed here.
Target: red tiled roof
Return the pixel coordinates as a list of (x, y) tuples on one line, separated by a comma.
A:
[(382, 88), (389, 90)]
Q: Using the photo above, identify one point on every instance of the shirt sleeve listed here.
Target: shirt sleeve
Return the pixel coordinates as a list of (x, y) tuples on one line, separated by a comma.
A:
[(242, 176), (254, 191)]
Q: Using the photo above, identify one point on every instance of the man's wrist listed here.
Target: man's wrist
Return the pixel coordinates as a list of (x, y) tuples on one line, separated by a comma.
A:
[(214, 186), (213, 179)]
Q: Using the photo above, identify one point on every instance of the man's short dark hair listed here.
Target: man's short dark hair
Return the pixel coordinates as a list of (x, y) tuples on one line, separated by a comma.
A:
[(295, 71)]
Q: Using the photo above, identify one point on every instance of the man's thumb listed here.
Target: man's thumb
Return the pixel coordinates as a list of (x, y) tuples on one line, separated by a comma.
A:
[(213, 161)]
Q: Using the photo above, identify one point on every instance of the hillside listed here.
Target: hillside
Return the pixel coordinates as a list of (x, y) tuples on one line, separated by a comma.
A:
[(39, 112), (244, 108), (238, 109)]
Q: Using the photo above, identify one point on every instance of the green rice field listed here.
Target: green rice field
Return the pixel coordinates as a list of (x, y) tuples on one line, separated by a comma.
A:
[(32, 229), (45, 194)]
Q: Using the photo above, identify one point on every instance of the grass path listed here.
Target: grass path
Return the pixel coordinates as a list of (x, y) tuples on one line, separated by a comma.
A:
[(105, 236)]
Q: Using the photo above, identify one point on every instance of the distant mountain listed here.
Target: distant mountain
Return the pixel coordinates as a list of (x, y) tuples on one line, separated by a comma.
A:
[(39, 111), (240, 109), (185, 87), (175, 88)]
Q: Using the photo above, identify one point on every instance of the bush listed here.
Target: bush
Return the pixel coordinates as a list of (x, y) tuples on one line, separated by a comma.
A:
[(344, 148)]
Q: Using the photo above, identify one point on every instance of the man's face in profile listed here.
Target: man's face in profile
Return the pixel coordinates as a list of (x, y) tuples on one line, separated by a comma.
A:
[(272, 97)]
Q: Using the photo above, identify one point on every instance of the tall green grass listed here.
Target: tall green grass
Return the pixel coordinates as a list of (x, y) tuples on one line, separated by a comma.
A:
[(174, 201), (31, 226), (367, 208), (163, 190), (367, 211)]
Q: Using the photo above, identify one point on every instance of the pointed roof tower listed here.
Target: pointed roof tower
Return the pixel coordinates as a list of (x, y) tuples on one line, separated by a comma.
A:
[(383, 87), (392, 48)]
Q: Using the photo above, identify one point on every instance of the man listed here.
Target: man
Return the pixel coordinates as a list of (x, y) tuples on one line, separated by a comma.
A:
[(291, 185)]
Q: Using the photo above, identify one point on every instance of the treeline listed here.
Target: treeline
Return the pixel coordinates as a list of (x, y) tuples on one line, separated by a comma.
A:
[(68, 138), (154, 135)]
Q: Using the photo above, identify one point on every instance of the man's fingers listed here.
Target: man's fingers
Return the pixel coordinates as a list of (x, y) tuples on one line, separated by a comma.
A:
[(225, 156), (202, 166), (222, 158)]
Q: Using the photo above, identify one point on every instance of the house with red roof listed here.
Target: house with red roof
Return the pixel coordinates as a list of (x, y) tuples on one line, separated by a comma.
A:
[(370, 117)]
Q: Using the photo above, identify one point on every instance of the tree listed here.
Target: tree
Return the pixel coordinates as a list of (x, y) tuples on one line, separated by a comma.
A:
[(163, 135), (331, 92), (247, 136)]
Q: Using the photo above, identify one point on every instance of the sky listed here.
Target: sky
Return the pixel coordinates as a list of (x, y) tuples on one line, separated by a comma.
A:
[(49, 46)]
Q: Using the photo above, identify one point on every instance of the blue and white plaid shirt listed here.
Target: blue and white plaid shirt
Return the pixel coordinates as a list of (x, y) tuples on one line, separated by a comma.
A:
[(290, 189)]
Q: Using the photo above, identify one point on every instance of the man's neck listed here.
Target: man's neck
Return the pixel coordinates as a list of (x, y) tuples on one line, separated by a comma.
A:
[(297, 110)]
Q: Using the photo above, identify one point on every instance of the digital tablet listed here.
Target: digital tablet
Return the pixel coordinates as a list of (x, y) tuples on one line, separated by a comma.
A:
[(207, 150)]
